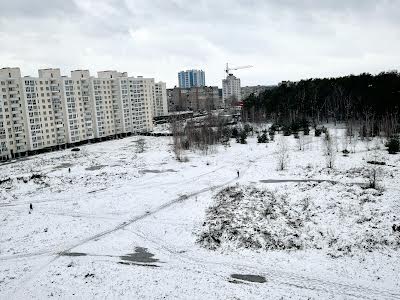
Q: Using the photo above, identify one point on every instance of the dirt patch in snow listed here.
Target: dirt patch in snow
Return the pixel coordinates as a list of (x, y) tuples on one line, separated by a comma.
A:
[(249, 278), (157, 171), (336, 218), (141, 255), (94, 168), (72, 254), (63, 166)]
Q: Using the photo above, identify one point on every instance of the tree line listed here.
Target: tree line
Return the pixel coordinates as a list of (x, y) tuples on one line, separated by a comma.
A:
[(370, 101)]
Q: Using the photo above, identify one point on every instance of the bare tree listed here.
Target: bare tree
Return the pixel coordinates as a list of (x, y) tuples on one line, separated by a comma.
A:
[(354, 141), (282, 153), (374, 170), (329, 150), (176, 138), (301, 141), (345, 143)]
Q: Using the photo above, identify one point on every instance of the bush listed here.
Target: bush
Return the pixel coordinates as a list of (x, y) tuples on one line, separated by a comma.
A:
[(393, 145), (234, 133), (306, 130), (262, 138), (248, 128), (295, 126), (274, 127), (271, 135), (304, 123), (286, 130), (241, 138), (318, 132)]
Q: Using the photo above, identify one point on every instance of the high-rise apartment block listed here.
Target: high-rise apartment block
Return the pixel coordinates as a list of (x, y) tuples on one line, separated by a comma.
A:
[(231, 92), (51, 110), (191, 78)]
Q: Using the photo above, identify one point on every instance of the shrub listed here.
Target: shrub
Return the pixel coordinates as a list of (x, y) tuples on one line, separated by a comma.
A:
[(306, 130), (304, 123), (262, 138), (286, 130), (393, 145), (295, 126), (318, 132), (274, 127), (248, 128), (234, 133), (241, 138), (271, 135)]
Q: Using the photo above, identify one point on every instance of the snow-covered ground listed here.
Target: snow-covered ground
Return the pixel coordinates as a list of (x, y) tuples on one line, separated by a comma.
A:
[(127, 225)]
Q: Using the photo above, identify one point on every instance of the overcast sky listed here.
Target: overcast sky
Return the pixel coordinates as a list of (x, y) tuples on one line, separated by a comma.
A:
[(283, 40)]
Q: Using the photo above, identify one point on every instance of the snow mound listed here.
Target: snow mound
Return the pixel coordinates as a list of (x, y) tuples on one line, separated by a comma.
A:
[(341, 219)]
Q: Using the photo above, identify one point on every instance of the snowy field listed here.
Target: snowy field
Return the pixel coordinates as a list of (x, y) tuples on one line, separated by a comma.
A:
[(130, 225)]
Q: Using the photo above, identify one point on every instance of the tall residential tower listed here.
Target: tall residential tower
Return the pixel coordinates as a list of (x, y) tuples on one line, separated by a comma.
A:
[(191, 78), (231, 92)]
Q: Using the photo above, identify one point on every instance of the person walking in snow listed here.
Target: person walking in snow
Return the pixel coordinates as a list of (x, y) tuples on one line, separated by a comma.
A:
[(69, 170), (237, 173), (30, 207)]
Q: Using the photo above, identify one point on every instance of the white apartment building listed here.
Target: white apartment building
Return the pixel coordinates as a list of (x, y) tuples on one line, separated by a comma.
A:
[(51, 110), (133, 101), (13, 140), (141, 91), (83, 121), (231, 91), (160, 106)]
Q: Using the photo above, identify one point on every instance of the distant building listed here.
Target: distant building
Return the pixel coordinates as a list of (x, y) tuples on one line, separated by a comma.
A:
[(231, 92), (203, 98), (191, 78)]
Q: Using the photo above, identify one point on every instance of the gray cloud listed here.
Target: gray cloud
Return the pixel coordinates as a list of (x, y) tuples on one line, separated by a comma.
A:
[(37, 8), (285, 39)]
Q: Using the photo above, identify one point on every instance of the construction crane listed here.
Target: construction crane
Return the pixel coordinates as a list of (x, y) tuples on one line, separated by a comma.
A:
[(227, 70)]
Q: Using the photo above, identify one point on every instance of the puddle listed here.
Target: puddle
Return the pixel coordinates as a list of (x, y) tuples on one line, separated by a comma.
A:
[(93, 168), (250, 278), (72, 254), (141, 255), (294, 180), (63, 166), (157, 171)]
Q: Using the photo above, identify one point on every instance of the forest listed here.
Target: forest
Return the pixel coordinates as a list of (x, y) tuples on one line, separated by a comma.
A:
[(370, 102)]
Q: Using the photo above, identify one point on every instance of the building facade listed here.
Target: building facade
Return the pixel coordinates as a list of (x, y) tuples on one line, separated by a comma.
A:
[(231, 92), (191, 78), (204, 98), (52, 111), (13, 123), (160, 99)]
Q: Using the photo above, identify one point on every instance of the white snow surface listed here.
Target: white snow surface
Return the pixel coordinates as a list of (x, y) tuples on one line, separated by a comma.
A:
[(116, 201)]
